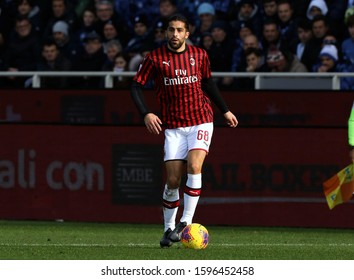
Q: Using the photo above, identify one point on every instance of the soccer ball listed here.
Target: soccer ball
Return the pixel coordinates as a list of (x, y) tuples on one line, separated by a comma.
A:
[(195, 236)]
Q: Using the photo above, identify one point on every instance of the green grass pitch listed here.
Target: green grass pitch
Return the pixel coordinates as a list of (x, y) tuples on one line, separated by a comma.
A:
[(46, 240)]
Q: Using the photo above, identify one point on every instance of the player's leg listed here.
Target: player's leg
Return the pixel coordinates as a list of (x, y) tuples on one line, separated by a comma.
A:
[(170, 197), (175, 158), (174, 171), (193, 185), (191, 191), (199, 140)]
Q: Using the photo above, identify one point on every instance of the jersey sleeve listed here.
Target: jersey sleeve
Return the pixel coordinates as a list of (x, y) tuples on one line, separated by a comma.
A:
[(145, 70), (351, 127)]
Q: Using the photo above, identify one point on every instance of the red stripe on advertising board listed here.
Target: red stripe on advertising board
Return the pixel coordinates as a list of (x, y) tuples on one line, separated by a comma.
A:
[(275, 108)]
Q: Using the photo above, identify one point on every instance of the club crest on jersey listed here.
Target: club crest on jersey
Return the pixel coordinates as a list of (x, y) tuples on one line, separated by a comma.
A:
[(192, 61)]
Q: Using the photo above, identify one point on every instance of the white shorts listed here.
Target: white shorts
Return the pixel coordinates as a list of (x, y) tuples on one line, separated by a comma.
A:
[(179, 141)]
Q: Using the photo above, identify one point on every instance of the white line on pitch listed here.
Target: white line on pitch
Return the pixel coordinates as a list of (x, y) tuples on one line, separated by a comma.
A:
[(156, 245)]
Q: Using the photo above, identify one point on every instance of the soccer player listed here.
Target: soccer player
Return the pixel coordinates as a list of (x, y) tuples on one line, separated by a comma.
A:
[(182, 76), (351, 133)]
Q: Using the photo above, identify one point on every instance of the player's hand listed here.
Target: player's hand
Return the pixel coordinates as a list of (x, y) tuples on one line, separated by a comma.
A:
[(153, 123), (231, 120)]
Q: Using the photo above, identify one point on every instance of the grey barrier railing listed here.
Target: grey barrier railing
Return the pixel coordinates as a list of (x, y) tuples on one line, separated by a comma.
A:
[(284, 80)]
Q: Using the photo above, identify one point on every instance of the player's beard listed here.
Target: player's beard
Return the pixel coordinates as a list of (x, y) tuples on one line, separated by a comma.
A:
[(175, 45)]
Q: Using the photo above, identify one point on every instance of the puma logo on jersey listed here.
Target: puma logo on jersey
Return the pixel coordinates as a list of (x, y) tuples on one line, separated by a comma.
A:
[(166, 63)]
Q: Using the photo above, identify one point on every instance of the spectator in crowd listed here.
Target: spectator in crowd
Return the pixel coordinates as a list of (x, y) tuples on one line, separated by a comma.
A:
[(238, 53), (67, 44), (86, 24), (349, 10), (271, 37), (111, 49), (350, 3), (159, 35), (336, 11), (244, 30), (166, 9), (22, 52), (248, 13), (251, 41), (348, 44), (239, 64), (135, 61), (105, 13), (333, 10), (45, 7), (206, 41), (110, 32), (287, 22), (61, 11), (130, 9), (188, 7), (109, 18), (320, 28), (315, 8), (121, 62), (270, 10), (28, 8), (221, 51), (206, 17), (7, 15), (255, 62), (141, 37), (329, 63), (283, 61), (224, 8), (91, 60), (53, 60), (304, 35), (192, 30), (348, 13), (330, 39), (80, 6)]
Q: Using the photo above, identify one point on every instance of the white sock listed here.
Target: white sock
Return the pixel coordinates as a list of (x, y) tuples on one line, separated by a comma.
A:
[(191, 196), (170, 207)]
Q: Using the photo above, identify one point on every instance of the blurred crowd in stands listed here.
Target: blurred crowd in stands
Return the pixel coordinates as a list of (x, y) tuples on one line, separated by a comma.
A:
[(239, 36)]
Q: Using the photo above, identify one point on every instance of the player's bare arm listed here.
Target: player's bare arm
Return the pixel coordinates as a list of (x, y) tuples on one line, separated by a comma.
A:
[(153, 123)]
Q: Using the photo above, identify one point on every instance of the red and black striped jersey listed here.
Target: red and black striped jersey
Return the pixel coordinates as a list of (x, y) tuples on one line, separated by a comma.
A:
[(177, 78)]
